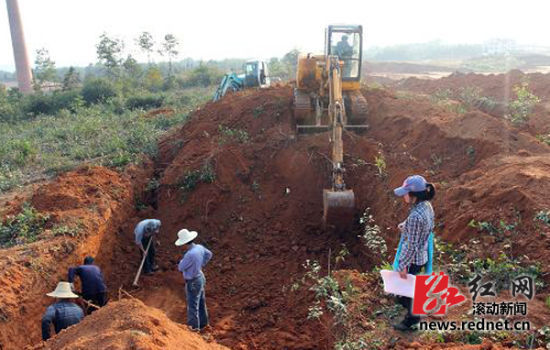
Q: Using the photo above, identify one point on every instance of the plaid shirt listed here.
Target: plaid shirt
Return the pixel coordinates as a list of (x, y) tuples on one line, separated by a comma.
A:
[(418, 226)]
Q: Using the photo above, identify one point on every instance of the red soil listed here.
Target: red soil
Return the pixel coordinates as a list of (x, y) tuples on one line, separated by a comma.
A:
[(135, 326), (261, 215)]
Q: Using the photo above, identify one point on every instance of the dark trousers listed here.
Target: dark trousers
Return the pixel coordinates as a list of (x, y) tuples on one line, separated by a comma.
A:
[(149, 263), (98, 299), (410, 319)]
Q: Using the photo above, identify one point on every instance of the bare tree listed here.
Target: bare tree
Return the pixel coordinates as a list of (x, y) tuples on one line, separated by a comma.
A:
[(169, 48), (146, 44)]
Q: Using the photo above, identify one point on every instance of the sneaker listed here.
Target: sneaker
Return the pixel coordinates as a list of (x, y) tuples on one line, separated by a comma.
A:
[(155, 268)]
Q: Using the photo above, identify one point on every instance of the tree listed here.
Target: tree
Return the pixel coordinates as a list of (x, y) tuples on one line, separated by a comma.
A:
[(44, 68), (290, 59), (277, 68), (109, 53), (169, 49), (71, 80), (146, 43), (153, 79)]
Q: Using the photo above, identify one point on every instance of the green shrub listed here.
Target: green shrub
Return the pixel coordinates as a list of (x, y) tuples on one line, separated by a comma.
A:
[(228, 135), (145, 101), (523, 105), (50, 104), (193, 177), (9, 104), (98, 90), (25, 227), (201, 76)]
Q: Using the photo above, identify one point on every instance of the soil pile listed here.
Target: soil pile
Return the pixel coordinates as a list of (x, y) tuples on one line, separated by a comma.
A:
[(128, 324), (88, 204), (238, 174), (497, 86)]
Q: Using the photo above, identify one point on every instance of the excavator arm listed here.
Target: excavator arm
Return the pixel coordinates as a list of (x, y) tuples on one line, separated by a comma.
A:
[(230, 82), (338, 202)]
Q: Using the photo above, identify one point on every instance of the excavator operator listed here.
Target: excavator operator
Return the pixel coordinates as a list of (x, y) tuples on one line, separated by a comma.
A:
[(344, 51)]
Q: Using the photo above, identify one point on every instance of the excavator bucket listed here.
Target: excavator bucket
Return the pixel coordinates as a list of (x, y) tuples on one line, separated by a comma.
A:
[(338, 208)]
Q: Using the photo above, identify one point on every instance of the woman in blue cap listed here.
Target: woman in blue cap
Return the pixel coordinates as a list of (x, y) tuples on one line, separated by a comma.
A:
[(415, 249)]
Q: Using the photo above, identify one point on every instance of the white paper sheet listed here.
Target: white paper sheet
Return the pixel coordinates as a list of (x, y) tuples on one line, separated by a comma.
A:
[(394, 284)]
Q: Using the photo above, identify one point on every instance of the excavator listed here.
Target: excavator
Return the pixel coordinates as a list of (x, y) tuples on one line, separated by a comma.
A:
[(255, 75), (327, 98)]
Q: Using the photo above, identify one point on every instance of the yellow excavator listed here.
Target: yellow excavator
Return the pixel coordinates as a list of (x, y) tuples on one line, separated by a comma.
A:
[(327, 97)]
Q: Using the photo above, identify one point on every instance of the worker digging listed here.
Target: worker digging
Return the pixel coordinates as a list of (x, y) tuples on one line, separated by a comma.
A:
[(94, 289), (144, 234)]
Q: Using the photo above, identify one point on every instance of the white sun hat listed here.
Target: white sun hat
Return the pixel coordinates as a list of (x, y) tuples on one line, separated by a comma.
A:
[(185, 236), (63, 290)]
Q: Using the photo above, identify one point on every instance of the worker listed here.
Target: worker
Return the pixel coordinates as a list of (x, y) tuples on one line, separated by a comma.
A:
[(415, 250), (144, 233), (94, 289), (195, 258), (63, 313), (343, 49)]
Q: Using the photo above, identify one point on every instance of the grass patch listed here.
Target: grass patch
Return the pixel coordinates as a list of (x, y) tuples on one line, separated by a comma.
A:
[(24, 227), (96, 134), (228, 135)]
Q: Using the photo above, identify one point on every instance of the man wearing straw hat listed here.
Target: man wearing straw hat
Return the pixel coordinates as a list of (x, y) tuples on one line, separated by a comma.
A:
[(195, 258), (63, 313)]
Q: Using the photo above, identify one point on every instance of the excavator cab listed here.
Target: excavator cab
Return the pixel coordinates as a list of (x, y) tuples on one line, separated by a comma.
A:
[(256, 74), (346, 42)]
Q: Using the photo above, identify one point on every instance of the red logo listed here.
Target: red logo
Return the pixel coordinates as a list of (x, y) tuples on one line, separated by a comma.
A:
[(433, 295)]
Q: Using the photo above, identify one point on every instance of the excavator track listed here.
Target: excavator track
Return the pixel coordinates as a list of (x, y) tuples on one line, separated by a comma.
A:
[(303, 110), (356, 109)]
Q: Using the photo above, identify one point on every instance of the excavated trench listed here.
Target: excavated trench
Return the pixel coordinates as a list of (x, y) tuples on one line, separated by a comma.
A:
[(238, 175)]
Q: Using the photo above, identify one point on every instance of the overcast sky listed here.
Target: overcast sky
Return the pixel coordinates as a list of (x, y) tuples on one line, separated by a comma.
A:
[(69, 29)]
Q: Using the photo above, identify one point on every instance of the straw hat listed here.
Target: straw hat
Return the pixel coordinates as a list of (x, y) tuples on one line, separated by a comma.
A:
[(63, 290), (185, 236)]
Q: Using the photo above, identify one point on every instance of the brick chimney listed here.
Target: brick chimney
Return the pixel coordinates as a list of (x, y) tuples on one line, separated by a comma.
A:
[(24, 75)]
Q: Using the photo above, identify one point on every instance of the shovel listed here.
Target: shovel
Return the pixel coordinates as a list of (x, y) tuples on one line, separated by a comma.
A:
[(135, 284)]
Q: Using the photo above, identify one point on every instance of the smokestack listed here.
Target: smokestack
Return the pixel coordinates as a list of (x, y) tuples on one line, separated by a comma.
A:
[(24, 75)]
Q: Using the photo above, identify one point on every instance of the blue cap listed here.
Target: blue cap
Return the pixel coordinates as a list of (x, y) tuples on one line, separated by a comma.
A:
[(415, 183)]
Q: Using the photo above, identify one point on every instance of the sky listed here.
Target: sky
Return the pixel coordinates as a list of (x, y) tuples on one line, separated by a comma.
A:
[(208, 29)]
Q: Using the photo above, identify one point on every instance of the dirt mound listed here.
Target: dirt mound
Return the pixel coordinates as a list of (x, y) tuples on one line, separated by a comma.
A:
[(136, 326), (88, 204), (497, 86), (500, 190), (238, 174)]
